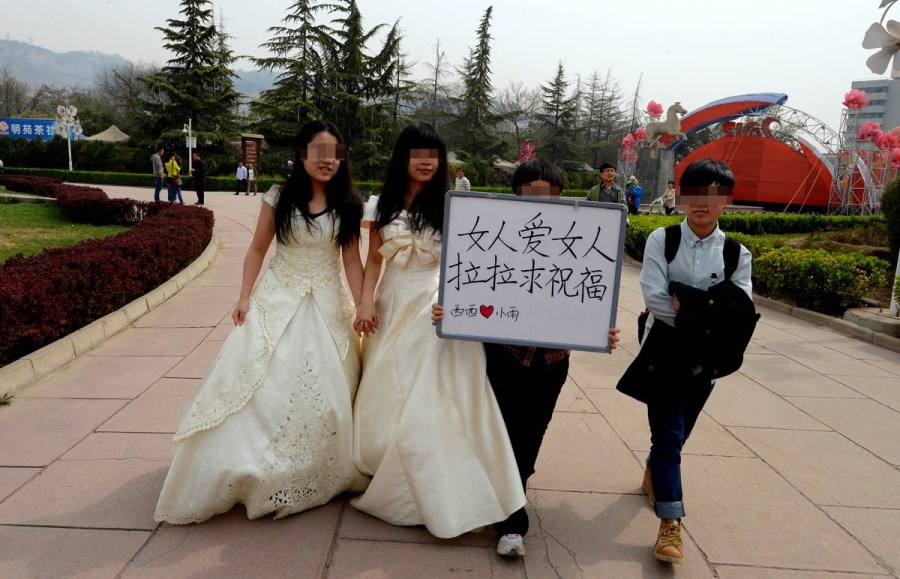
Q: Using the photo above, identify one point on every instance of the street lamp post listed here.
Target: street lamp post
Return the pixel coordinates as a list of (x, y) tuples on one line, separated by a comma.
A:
[(191, 143), (67, 122)]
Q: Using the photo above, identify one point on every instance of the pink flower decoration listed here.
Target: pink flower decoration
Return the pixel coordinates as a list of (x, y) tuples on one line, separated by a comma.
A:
[(640, 134), (654, 109), (886, 142), (630, 156), (628, 142), (527, 152), (895, 158), (855, 99), (869, 131)]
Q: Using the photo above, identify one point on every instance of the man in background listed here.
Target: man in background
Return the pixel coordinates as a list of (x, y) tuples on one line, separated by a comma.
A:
[(462, 183), (199, 174), (156, 161), (241, 176)]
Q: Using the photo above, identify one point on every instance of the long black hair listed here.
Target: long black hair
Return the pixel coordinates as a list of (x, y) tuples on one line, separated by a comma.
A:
[(427, 210), (296, 192)]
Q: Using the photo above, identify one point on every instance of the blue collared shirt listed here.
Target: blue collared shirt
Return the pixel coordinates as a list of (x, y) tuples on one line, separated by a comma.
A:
[(698, 263)]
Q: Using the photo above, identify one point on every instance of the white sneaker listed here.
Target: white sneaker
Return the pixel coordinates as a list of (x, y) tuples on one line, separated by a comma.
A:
[(511, 546)]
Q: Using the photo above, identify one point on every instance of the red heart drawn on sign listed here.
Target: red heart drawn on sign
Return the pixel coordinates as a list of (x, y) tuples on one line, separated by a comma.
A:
[(486, 311)]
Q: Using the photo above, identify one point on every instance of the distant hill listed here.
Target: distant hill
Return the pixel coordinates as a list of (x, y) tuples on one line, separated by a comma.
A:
[(35, 66)]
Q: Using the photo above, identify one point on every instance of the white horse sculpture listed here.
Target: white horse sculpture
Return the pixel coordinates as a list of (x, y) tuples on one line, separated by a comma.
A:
[(671, 126)]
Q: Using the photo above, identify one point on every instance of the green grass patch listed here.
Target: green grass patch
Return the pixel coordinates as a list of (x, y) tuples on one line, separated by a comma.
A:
[(30, 229)]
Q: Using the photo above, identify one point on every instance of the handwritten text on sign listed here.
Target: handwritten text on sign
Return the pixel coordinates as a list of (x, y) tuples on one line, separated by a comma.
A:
[(530, 270)]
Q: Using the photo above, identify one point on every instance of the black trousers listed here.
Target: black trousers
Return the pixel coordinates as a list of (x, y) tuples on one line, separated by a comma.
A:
[(527, 396), (200, 194)]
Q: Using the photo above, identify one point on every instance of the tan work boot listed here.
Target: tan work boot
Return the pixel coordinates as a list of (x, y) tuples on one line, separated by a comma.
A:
[(647, 486), (669, 547)]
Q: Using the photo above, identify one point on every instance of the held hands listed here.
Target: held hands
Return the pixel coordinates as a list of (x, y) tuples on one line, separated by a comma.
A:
[(240, 312), (676, 305), (367, 319)]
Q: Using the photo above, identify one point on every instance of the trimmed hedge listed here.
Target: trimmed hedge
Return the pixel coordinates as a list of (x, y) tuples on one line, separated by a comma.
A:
[(214, 183), (50, 295), (814, 279)]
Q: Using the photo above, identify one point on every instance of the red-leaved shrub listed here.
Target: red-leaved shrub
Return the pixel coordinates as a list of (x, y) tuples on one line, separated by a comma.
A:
[(50, 295)]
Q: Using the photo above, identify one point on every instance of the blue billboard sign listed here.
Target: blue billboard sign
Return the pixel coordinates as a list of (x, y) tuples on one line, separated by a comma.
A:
[(30, 129)]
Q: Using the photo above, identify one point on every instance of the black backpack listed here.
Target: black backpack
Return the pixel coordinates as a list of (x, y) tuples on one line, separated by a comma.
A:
[(731, 253)]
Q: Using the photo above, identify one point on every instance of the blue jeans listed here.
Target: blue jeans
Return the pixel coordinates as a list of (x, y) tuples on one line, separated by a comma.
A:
[(671, 423), (159, 183), (175, 193)]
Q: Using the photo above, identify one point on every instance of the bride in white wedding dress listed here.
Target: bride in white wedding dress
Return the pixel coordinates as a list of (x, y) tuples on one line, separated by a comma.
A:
[(427, 425), (271, 424)]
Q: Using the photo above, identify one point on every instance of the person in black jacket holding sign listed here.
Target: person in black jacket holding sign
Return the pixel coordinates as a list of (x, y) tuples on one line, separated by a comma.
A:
[(681, 355), (526, 380)]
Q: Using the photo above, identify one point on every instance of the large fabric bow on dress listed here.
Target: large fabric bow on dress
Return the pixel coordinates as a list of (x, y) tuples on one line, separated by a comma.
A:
[(402, 243), (402, 247)]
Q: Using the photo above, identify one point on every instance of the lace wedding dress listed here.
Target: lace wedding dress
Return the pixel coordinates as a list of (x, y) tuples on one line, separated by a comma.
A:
[(271, 424), (427, 425)]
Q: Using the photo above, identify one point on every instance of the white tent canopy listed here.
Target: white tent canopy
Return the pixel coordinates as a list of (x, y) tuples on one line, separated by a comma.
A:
[(111, 135)]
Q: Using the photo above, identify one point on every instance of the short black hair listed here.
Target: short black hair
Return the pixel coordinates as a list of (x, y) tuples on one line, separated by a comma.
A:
[(670, 182), (705, 172), (606, 166), (537, 170)]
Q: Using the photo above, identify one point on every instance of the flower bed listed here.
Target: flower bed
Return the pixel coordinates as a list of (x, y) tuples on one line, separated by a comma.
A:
[(815, 279), (50, 295)]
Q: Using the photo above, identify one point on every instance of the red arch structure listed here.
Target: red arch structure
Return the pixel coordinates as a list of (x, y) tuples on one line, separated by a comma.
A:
[(780, 156)]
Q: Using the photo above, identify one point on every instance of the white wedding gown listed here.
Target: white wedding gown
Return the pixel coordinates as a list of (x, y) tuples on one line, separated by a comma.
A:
[(427, 425), (271, 424)]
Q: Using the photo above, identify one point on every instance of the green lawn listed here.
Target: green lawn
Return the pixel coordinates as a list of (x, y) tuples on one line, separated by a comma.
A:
[(29, 228)]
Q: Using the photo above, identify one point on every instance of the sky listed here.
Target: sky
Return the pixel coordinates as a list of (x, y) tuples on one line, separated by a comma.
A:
[(692, 51)]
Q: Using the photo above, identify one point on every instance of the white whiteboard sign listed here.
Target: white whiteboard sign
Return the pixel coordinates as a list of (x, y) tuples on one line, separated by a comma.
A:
[(530, 270)]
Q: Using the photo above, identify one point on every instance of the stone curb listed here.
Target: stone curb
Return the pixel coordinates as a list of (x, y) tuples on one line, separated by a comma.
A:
[(843, 326), (34, 366)]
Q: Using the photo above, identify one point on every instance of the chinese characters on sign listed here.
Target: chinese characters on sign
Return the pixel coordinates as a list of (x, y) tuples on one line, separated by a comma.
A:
[(27, 128), (530, 270)]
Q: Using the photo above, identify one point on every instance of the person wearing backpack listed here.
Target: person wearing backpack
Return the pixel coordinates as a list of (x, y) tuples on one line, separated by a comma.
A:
[(696, 286)]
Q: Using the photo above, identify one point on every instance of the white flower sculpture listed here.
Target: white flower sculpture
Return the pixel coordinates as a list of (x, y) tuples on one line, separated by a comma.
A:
[(888, 41)]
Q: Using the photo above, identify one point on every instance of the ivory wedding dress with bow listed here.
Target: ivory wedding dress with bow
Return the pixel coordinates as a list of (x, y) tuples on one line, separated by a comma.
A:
[(427, 425), (271, 423)]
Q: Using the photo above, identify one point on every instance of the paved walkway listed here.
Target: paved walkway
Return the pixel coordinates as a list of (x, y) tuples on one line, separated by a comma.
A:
[(792, 470)]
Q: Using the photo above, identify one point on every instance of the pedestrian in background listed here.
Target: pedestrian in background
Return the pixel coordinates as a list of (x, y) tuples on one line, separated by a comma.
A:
[(158, 172), (199, 175), (251, 179), (241, 176)]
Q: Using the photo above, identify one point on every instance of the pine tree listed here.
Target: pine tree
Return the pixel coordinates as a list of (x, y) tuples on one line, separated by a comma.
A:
[(196, 83), (298, 56), (557, 118), (476, 118)]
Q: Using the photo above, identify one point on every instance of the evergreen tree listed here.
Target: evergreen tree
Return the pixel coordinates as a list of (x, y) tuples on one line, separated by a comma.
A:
[(557, 118), (195, 84), (298, 56), (476, 118)]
